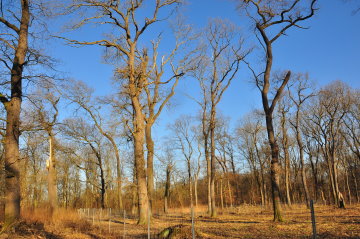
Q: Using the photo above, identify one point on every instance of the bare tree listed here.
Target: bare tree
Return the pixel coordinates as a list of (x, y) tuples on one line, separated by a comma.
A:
[(272, 19), (218, 68), (299, 97), (80, 94), (82, 132), (123, 16), (251, 135), (283, 111), (157, 96), (168, 160), (184, 138), (46, 113), (325, 123)]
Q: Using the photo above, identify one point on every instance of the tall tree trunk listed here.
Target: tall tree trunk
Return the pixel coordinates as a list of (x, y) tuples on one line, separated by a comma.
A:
[(2, 188), (347, 185), (143, 200), (150, 159), (331, 176), (336, 181), (102, 189), (315, 178), (208, 172), (356, 185), (212, 162), (303, 170), (13, 108), (285, 144), (196, 191), (52, 177), (118, 171), (229, 190), (138, 133), (274, 169), (221, 195), (167, 188)]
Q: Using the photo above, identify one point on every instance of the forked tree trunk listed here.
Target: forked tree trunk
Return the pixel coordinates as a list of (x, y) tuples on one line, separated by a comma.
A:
[(13, 108), (138, 133)]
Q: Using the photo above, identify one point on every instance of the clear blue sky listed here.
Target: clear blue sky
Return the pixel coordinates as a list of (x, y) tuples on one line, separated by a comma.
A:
[(328, 51)]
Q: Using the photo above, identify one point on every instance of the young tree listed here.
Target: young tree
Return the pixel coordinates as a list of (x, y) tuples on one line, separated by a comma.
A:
[(219, 65), (272, 19), (283, 111), (325, 123), (82, 132), (299, 97), (80, 94), (184, 138)]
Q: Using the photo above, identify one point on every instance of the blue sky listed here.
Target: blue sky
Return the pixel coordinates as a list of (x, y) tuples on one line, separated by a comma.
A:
[(328, 51)]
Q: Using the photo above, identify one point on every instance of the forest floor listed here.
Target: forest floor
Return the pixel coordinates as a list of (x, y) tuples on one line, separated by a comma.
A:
[(239, 222)]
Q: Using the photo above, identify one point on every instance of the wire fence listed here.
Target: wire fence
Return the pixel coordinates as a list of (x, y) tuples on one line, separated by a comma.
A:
[(120, 221)]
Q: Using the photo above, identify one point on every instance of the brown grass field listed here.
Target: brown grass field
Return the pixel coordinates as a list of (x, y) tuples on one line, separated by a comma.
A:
[(240, 222)]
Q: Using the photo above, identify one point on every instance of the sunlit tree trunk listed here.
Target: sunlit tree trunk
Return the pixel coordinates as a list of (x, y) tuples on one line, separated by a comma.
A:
[(13, 108), (52, 181)]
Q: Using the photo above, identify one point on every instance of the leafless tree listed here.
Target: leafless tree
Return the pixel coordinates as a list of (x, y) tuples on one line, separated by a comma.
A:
[(272, 19), (124, 18), (45, 104), (299, 97), (80, 94), (157, 95), (220, 63), (284, 108), (82, 132), (251, 137), (325, 123)]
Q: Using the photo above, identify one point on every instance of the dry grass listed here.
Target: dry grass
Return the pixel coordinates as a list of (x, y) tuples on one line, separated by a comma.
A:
[(240, 222), (256, 222)]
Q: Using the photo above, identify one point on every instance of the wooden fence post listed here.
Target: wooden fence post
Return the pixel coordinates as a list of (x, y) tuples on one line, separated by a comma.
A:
[(313, 222)]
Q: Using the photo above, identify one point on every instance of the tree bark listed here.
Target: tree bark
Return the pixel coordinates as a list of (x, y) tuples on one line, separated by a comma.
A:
[(2, 187), (274, 169), (301, 156), (213, 212), (150, 159), (13, 108), (52, 177), (285, 144)]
